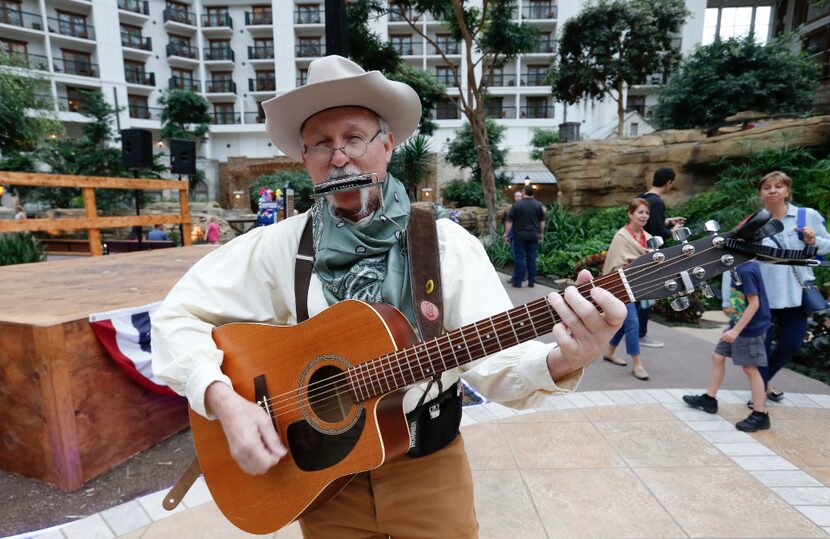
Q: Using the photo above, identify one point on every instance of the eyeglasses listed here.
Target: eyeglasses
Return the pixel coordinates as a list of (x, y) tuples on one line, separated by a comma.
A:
[(356, 147)]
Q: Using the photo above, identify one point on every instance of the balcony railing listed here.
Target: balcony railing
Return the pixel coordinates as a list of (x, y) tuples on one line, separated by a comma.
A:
[(144, 113), (136, 42), (182, 83), (178, 15), (221, 87), (301, 81), (539, 11), (398, 14), (262, 85), (312, 49), (253, 18), (75, 67), (260, 53), (186, 51), (308, 17), (536, 111), (136, 6), (69, 104), (546, 46), (501, 79), (535, 79), (23, 19), (447, 113), (71, 28), (445, 47), (225, 118), (254, 118), (215, 54), (502, 112), (25, 60), (447, 79), (217, 20), (407, 48), (135, 76)]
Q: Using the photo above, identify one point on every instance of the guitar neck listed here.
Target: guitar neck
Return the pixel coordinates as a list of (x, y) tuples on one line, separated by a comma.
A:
[(466, 344)]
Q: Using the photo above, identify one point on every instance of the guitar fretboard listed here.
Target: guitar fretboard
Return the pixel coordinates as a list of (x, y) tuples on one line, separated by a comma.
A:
[(468, 343)]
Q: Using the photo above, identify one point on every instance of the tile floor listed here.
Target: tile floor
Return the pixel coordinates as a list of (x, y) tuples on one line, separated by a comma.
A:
[(627, 463)]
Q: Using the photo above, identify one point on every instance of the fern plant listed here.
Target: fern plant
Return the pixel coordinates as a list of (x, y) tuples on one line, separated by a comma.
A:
[(20, 248)]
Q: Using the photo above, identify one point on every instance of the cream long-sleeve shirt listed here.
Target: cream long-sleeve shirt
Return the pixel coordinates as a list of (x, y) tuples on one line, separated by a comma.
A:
[(252, 279)]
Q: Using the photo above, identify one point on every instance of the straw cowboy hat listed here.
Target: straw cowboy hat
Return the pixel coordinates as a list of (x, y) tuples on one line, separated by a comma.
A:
[(334, 81)]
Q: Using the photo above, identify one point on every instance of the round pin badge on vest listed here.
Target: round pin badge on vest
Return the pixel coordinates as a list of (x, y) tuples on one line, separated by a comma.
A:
[(429, 310)]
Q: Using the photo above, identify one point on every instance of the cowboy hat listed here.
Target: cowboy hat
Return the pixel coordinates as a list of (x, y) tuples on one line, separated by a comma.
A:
[(334, 81)]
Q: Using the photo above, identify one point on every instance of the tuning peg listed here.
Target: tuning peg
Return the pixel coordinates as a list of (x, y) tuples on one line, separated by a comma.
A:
[(654, 242), (680, 303), (681, 234), (706, 290), (736, 280), (711, 226)]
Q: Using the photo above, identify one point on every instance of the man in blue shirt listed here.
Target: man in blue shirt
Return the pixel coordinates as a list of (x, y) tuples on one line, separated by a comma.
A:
[(158, 234)]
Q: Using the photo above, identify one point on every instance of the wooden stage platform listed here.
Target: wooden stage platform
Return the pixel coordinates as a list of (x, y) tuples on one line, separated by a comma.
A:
[(67, 412)]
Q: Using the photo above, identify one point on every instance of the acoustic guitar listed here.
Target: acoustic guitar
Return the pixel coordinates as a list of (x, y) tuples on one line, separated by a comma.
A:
[(334, 383)]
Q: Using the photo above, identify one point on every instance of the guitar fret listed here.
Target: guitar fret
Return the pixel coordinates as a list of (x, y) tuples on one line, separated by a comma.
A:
[(496, 333), (429, 359), (469, 345), (409, 364), (530, 318), (512, 327), (440, 355), (452, 347), (483, 344), (400, 369), (351, 384)]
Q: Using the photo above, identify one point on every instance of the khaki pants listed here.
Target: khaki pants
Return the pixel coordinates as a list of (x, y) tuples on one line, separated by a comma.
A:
[(418, 498)]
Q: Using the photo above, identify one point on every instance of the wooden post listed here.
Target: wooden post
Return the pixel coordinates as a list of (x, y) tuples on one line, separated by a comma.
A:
[(184, 205), (94, 234)]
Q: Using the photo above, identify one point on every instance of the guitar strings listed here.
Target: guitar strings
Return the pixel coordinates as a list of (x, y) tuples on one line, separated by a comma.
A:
[(377, 368)]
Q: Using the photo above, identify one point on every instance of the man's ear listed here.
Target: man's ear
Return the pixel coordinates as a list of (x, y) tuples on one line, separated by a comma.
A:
[(389, 146)]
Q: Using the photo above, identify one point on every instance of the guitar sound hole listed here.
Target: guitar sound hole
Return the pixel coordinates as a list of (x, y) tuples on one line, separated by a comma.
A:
[(329, 395)]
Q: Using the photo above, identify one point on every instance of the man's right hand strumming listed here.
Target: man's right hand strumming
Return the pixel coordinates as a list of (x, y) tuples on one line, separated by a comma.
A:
[(253, 441)]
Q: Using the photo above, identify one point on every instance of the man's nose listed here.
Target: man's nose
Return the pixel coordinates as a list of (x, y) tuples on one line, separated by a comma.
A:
[(339, 158)]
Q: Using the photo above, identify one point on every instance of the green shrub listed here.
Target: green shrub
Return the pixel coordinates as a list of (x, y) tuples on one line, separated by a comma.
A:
[(690, 315), (562, 263), (499, 252), (463, 193), (20, 248)]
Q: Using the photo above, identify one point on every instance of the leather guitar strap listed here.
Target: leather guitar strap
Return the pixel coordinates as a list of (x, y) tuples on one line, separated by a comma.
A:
[(176, 494)]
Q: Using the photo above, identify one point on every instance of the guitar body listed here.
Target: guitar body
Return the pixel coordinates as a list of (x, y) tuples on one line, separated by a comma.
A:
[(329, 436)]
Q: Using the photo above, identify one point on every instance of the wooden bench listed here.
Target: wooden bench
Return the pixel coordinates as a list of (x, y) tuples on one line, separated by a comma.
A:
[(66, 246), (129, 246)]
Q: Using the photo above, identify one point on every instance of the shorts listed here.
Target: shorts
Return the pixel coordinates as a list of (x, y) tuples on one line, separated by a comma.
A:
[(744, 351)]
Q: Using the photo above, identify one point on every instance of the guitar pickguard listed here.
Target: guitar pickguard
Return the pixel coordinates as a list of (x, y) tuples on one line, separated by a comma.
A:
[(313, 450)]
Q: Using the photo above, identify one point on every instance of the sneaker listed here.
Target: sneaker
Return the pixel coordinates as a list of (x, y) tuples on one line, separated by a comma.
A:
[(702, 402), (755, 421), (775, 396), (648, 342)]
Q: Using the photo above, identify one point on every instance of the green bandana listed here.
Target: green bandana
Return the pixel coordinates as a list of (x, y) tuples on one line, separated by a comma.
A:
[(366, 261)]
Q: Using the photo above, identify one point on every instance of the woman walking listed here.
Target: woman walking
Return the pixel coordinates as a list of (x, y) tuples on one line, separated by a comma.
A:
[(629, 243)]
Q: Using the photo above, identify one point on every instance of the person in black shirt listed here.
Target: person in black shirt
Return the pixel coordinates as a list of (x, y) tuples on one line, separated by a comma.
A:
[(658, 225), (526, 222)]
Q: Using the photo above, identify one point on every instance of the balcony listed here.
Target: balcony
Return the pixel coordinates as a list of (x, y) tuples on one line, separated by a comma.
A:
[(184, 51), (398, 14), (135, 76), (500, 112), (225, 118), (260, 53), (546, 46), (535, 79), (445, 47), (309, 49), (536, 111), (259, 18), (254, 118), (539, 12), (75, 67), (446, 78), (69, 104), (218, 54), (308, 16), (181, 16), (301, 81), (183, 83), (497, 80), (144, 113), (26, 61), (70, 28), (133, 41), (447, 112), (217, 20), (407, 48), (262, 85), (222, 86), (21, 19), (142, 7)]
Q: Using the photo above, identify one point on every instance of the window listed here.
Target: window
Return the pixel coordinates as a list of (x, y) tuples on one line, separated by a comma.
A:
[(302, 77), (73, 99), (263, 49), (77, 63), (131, 37), (540, 9), (180, 46), (72, 24), (13, 47), (183, 79), (494, 107), (817, 45), (537, 107), (222, 82), (536, 75), (134, 72), (308, 14), (309, 46), (11, 13), (446, 109), (633, 129), (545, 43), (497, 76), (266, 81), (260, 113), (217, 16), (445, 76), (726, 22), (446, 44), (138, 107), (402, 43), (178, 12), (219, 49), (223, 113), (261, 15), (636, 102)]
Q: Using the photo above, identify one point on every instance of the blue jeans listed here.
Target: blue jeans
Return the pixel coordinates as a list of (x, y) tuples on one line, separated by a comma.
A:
[(643, 314), (524, 255), (791, 327), (631, 330)]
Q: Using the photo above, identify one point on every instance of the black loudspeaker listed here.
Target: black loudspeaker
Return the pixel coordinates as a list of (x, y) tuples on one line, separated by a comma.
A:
[(336, 40), (182, 156), (136, 148)]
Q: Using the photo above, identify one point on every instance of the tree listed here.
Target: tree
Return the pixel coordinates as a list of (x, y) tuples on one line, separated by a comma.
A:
[(490, 39), (184, 114), (615, 44), (462, 153), (733, 75), (541, 139), (410, 163)]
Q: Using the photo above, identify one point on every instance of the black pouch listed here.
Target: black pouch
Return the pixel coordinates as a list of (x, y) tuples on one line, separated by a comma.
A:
[(434, 424)]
